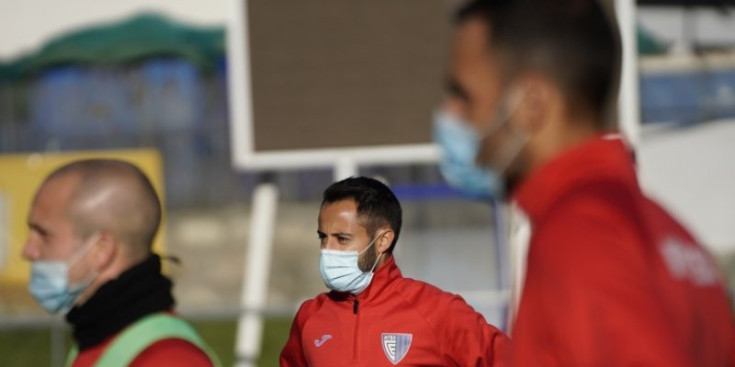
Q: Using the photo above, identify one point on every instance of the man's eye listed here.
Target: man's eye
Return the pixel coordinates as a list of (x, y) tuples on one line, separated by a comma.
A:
[(43, 235), (343, 239)]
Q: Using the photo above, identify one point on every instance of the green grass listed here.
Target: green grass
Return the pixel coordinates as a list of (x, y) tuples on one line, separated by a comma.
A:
[(221, 337), (24, 348)]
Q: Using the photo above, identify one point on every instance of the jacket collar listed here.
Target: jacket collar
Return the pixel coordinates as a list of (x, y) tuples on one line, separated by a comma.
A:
[(383, 277), (601, 159)]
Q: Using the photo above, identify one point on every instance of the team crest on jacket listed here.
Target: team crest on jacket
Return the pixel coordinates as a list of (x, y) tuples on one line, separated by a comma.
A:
[(396, 346)]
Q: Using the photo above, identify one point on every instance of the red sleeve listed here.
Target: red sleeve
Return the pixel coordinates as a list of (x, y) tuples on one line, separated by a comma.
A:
[(468, 340), (172, 352), (588, 299), (293, 353)]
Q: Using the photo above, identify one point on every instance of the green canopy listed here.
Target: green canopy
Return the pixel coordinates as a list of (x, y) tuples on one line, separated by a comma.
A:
[(649, 44), (143, 36), (149, 35)]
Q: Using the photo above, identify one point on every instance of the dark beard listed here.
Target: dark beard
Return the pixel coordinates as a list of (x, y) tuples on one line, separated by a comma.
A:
[(367, 259), (515, 175), (510, 183)]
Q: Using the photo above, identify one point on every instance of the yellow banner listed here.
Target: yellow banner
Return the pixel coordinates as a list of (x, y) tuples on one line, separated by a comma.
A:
[(20, 177)]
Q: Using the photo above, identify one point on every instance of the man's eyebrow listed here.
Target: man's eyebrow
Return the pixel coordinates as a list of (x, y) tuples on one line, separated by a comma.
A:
[(37, 227), (341, 234)]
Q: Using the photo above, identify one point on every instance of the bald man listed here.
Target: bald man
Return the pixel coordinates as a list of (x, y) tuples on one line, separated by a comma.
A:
[(92, 225)]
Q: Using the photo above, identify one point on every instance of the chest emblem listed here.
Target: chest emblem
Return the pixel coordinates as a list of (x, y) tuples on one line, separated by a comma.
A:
[(396, 346), (318, 342)]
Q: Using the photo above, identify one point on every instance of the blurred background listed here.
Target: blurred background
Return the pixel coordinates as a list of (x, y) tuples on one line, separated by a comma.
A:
[(151, 82)]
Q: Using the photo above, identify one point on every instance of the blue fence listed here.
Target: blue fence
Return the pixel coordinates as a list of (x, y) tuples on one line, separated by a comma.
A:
[(171, 105), (688, 97)]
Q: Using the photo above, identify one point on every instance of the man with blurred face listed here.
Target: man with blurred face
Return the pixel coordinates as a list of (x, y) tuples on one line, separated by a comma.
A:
[(92, 225), (611, 279), (373, 316)]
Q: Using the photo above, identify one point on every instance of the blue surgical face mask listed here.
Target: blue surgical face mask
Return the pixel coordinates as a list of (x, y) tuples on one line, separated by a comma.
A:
[(460, 144), (50, 284), (341, 272)]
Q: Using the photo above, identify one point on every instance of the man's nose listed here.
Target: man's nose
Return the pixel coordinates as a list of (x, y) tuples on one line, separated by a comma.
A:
[(30, 249)]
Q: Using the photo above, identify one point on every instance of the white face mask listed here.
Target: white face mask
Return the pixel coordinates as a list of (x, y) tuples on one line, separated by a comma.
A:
[(50, 284), (341, 272)]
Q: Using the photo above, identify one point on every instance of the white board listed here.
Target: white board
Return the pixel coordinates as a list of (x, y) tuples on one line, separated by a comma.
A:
[(400, 106)]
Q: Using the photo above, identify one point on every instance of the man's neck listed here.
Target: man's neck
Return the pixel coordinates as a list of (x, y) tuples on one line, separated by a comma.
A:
[(119, 265), (563, 133)]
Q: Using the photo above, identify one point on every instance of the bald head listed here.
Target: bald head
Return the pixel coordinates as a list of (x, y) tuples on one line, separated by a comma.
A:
[(110, 196)]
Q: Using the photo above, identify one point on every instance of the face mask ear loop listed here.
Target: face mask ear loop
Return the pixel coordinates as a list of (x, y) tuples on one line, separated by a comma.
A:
[(379, 255), (376, 262), (93, 239), (87, 246), (514, 100), (371, 243), (514, 153)]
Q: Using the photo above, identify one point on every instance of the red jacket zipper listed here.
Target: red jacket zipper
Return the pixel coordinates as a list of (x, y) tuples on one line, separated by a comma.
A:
[(355, 307)]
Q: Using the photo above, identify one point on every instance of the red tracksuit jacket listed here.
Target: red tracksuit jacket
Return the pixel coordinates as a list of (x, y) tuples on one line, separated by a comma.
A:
[(612, 279), (395, 321)]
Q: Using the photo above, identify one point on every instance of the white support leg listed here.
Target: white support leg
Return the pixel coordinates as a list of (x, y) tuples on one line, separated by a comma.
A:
[(628, 101), (255, 276), (345, 168)]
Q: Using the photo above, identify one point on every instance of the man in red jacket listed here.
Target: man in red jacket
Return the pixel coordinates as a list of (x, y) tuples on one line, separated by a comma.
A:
[(92, 224), (374, 316), (612, 279)]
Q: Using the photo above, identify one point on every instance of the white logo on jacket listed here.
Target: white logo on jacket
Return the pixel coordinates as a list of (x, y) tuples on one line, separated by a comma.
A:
[(686, 261), (396, 346), (318, 342)]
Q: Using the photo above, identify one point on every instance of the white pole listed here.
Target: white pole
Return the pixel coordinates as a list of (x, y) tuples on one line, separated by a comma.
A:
[(345, 167), (239, 83), (628, 100), (255, 276)]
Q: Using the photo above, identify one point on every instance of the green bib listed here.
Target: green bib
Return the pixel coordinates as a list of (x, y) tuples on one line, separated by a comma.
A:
[(144, 333)]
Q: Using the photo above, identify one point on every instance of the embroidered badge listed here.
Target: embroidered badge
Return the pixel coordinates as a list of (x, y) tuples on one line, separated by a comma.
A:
[(396, 346)]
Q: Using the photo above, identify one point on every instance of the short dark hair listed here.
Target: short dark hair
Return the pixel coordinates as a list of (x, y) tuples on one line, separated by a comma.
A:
[(376, 203), (574, 42)]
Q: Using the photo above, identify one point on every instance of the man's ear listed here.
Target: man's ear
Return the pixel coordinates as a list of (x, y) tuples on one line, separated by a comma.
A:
[(533, 96), (382, 243), (104, 250)]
